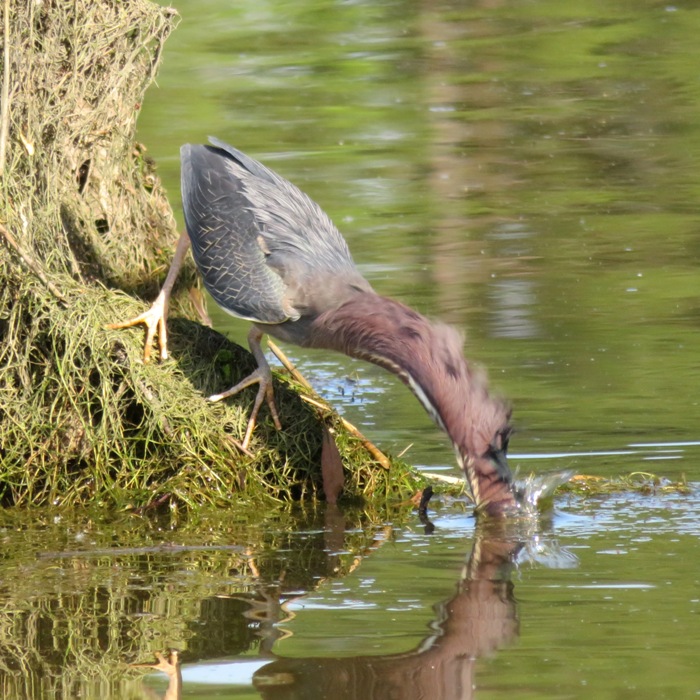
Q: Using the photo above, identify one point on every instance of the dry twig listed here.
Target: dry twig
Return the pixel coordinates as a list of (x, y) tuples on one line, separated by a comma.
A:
[(5, 97), (317, 401)]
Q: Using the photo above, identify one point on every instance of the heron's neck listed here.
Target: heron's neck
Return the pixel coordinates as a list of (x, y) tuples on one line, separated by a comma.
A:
[(428, 358)]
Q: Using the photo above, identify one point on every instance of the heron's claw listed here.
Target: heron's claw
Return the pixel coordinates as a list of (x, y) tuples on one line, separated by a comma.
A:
[(263, 377), (154, 320)]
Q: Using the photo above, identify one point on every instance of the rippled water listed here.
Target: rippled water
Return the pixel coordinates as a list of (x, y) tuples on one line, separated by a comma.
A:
[(528, 172)]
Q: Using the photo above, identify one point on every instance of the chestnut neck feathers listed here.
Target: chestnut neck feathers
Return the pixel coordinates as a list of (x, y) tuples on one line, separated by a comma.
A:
[(428, 358)]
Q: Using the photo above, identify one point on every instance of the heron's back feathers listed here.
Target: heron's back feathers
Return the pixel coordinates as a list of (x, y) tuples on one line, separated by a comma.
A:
[(261, 244)]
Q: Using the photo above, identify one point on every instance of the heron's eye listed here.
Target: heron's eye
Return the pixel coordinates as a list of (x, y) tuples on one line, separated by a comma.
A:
[(502, 437)]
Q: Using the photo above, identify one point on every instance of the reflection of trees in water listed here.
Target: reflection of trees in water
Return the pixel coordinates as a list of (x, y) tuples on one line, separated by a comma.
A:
[(75, 607), (470, 166)]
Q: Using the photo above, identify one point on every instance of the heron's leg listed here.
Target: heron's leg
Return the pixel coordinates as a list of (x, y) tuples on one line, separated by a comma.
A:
[(154, 319), (262, 376)]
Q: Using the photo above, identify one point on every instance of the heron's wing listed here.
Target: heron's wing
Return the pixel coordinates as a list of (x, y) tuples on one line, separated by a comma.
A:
[(296, 230), (261, 244)]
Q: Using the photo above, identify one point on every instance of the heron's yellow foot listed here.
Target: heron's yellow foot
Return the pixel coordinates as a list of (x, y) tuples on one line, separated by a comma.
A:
[(154, 320), (263, 377)]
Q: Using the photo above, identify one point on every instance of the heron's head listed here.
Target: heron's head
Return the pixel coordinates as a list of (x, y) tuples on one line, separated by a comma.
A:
[(497, 450), (485, 464)]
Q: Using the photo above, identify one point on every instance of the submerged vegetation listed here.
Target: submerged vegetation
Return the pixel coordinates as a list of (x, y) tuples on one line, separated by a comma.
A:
[(644, 483), (86, 228)]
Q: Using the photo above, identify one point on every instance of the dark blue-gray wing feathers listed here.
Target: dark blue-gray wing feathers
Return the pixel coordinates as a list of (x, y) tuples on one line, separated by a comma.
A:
[(255, 237)]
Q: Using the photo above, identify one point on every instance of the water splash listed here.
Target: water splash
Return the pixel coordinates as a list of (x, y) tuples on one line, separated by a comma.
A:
[(545, 551), (534, 490)]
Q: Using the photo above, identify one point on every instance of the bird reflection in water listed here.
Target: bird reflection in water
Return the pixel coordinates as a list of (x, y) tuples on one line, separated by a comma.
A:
[(479, 619)]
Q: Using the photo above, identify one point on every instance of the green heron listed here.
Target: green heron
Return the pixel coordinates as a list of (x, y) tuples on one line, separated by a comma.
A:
[(267, 253)]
